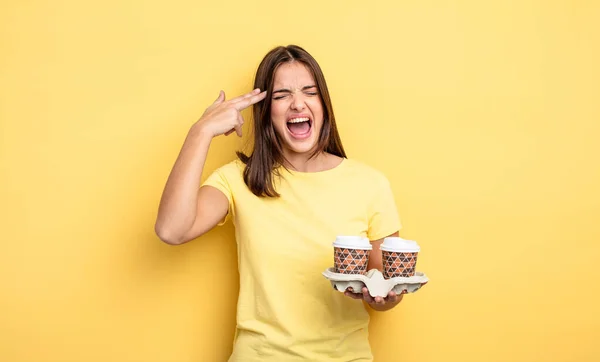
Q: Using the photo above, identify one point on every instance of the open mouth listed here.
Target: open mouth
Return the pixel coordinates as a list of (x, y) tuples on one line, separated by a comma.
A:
[(299, 127)]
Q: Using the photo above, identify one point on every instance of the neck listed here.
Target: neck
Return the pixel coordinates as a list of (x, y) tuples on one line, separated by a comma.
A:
[(302, 163)]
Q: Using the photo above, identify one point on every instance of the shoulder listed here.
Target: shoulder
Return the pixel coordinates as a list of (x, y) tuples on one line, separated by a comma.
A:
[(366, 172), (231, 173), (232, 169)]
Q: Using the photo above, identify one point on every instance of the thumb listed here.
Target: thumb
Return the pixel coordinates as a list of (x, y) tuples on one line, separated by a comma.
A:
[(220, 98)]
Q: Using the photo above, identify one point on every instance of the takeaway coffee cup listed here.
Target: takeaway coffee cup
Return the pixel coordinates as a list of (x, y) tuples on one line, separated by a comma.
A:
[(399, 257), (351, 254)]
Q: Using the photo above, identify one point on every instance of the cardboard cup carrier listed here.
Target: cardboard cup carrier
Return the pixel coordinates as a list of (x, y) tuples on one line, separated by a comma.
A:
[(351, 259)]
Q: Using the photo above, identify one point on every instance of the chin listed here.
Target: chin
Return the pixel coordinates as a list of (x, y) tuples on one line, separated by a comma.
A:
[(302, 150), (306, 146)]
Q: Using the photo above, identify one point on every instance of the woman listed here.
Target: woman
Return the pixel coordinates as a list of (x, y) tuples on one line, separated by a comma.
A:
[(288, 200)]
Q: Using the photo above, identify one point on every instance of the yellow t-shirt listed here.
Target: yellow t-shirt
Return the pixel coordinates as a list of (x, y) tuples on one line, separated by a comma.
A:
[(287, 310)]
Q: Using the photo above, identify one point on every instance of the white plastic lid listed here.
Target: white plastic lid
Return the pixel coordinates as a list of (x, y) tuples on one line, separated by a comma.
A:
[(352, 242), (397, 244)]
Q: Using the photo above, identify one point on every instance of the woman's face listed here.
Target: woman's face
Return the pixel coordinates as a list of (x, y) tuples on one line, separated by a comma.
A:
[(296, 109)]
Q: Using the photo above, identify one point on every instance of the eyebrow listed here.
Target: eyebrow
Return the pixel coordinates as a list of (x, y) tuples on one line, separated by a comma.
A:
[(283, 90)]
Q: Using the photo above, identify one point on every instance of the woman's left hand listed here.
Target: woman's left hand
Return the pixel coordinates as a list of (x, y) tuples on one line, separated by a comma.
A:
[(377, 303)]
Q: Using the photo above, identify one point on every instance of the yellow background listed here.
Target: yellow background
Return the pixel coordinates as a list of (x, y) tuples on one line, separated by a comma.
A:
[(485, 117)]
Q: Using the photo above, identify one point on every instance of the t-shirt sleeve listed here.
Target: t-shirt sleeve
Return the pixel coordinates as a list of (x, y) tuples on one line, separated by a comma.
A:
[(383, 214), (218, 180)]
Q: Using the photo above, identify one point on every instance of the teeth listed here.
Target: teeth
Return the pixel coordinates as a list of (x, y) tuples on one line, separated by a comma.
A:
[(298, 120)]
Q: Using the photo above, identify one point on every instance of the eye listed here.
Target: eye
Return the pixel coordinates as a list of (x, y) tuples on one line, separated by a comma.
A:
[(312, 93), (280, 97)]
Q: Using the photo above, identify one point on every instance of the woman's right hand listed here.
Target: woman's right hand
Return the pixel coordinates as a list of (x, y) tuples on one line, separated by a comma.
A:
[(224, 117)]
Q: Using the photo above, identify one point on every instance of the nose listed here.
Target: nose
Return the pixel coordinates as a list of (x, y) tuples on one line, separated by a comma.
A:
[(298, 102)]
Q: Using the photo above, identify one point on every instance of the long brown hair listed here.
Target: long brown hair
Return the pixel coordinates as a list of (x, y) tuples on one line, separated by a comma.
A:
[(267, 154)]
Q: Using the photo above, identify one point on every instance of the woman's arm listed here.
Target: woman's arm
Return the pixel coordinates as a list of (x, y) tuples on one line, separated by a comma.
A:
[(187, 211)]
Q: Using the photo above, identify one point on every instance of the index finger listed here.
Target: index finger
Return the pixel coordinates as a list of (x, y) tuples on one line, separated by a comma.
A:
[(247, 102), (247, 95)]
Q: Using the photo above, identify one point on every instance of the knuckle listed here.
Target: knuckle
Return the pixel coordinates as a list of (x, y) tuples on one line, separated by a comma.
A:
[(232, 111)]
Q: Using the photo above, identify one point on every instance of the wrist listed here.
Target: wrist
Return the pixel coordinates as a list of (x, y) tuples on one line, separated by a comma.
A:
[(200, 133)]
